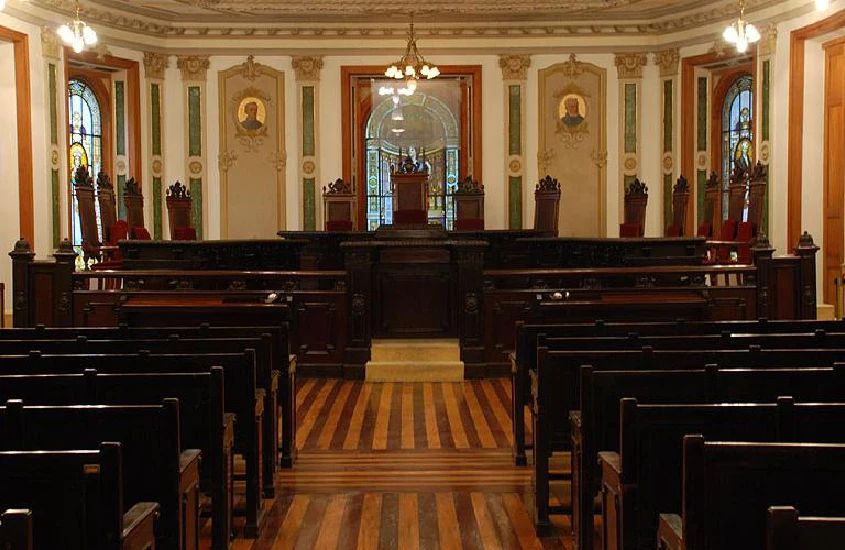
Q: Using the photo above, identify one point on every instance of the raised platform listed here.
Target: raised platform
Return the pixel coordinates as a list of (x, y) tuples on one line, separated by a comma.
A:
[(424, 360)]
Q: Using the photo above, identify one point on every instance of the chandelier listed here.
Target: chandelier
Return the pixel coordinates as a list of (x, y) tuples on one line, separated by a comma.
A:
[(411, 67), (741, 32), (77, 34), (2, 4)]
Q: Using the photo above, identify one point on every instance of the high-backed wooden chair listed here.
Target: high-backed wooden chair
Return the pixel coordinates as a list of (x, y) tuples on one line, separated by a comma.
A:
[(757, 182), (83, 186), (680, 203), (468, 199), (410, 192), (180, 213), (709, 214), (134, 202), (339, 206), (108, 209), (636, 200), (547, 204)]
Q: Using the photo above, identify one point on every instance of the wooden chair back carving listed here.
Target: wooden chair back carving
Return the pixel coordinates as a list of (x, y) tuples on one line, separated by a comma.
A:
[(134, 202), (83, 186), (179, 208), (108, 209), (757, 182), (547, 204), (636, 201), (737, 190), (710, 217), (680, 203), (339, 206), (468, 200)]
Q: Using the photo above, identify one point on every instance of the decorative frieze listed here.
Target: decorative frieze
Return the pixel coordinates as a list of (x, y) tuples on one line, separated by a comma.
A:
[(155, 64), (668, 61), (193, 67), (630, 65), (307, 67), (50, 46), (514, 67)]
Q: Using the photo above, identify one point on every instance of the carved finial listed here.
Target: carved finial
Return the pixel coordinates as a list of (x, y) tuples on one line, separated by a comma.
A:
[(104, 181), (712, 181), (681, 186), (132, 187), (637, 188), (81, 178), (65, 247), (760, 173), (470, 186), (762, 241), (806, 242), (548, 185), (338, 187), (22, 245), (178, 191)]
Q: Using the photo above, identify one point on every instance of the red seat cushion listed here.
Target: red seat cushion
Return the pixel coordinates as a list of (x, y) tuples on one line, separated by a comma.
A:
[(629, 230), (673, 230), (119, 231), (744, 231), (410, 216), (705, 230), (184, 234), (339, 225), (728, 232), (141, 234), (469, 224)]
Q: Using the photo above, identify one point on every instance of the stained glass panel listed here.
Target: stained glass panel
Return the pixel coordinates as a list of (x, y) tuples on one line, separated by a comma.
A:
[(737, 134)]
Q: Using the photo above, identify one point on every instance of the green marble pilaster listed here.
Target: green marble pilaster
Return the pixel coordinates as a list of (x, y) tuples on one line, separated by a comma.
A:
[(195, 187), (156, 200), (54, 118), (668, 116), (515, 202), (309, 205), (514, 120), (155, 102), (54, 189), (54, 141), (766, 99), (308, 129), (701, 182), (667, 200), (194, 121), (701, 115), (121, 186), (630, 118)]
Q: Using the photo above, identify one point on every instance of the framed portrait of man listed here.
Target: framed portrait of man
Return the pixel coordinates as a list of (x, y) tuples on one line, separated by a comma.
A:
[(251, 114)]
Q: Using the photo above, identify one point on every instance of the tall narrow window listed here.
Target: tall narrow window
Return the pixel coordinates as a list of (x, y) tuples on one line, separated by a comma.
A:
[(737, 135), (86, 144)]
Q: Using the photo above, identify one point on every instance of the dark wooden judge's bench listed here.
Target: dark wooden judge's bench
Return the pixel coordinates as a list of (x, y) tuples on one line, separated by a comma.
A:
[(337, 291)]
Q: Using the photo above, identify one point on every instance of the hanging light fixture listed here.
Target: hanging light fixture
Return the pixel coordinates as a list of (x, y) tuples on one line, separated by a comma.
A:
[(411, 67), (2, 4), (77, 34), (822, 5), (741, 32)]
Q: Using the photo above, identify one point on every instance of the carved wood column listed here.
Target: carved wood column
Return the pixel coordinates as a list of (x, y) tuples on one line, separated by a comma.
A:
[(668, 61), (194, 70), (629, 67), (307, 84), (514, 75), (56, 83), (154, 66)]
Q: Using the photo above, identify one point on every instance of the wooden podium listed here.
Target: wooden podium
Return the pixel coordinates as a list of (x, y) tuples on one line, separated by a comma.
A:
[(410, 190)]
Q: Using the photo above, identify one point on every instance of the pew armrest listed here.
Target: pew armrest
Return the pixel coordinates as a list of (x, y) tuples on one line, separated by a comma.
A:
[(670, 534), (512, 359), (259, 402), (138, 526), (291, 364), (274, 382), (611, 473), (228, 431)]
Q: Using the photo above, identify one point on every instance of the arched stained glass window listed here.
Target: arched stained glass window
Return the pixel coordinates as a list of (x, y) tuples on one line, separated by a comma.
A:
[(86, 142), (737, 134)]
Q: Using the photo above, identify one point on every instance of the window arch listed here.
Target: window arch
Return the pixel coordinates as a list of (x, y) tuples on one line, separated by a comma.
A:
[(85, 138), (737, 133)]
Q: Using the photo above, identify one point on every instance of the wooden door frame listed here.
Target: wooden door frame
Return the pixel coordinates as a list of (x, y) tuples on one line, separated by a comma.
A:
[(23, 95), (470, 134), (831, 185)]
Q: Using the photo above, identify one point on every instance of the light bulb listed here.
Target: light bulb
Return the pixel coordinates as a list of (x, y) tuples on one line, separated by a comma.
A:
[(820, 4), (751, 33), (730, 34), (2, 4), (89, 35)]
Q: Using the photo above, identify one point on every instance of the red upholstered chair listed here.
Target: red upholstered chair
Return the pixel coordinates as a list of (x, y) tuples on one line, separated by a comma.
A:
[(184, 234), (141, 234), (744, 236), (547, 205), (468, 199), (180, 214), (630, 230), (339, 210), (414, 217), (112, 258), (471, 224), (680, 203), (133, 200), (636, 200), (339, 225)]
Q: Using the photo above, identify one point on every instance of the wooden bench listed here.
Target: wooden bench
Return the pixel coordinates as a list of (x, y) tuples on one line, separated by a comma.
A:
[(789, 531), (16, 529), (644, 477), (203, 424), (155, 467), (524, 357), (78, 495), (729, 486)]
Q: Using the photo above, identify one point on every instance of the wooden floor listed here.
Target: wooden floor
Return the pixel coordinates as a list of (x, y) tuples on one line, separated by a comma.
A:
[(403, 466)]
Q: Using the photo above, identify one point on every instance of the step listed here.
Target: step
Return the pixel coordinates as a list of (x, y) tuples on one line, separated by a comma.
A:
[(414, 371), (416, 350)]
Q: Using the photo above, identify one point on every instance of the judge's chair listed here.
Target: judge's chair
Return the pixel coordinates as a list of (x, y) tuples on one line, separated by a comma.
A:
[(547, 205), (708, 214), (114, 230), (680, 203), (180, 213), (409, 180), (83, 187), (134, 202), (339, 209), (636, 200), (468, 201)]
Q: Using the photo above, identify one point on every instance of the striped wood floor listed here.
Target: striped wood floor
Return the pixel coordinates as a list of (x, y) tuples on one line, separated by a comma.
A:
[(403, 466)]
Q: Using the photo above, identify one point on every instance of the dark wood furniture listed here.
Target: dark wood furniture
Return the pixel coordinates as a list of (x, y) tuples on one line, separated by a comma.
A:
[(547, 205), (83, 187), (680, 204), (469, 205), (133, 199), (787, 530), (636, 200), (409, 184), (710, 216), (16, 529), (339, 206), (108, 210), (180, 214)]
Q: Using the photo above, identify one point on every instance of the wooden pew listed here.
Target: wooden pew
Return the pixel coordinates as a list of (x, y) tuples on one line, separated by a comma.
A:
[(524, 357), (155, 467), (245, 394), (16, 529), (78, 496), (789, 531), (203, 424), (728, 487), (596, 426), (644, 477), (282, 360)]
